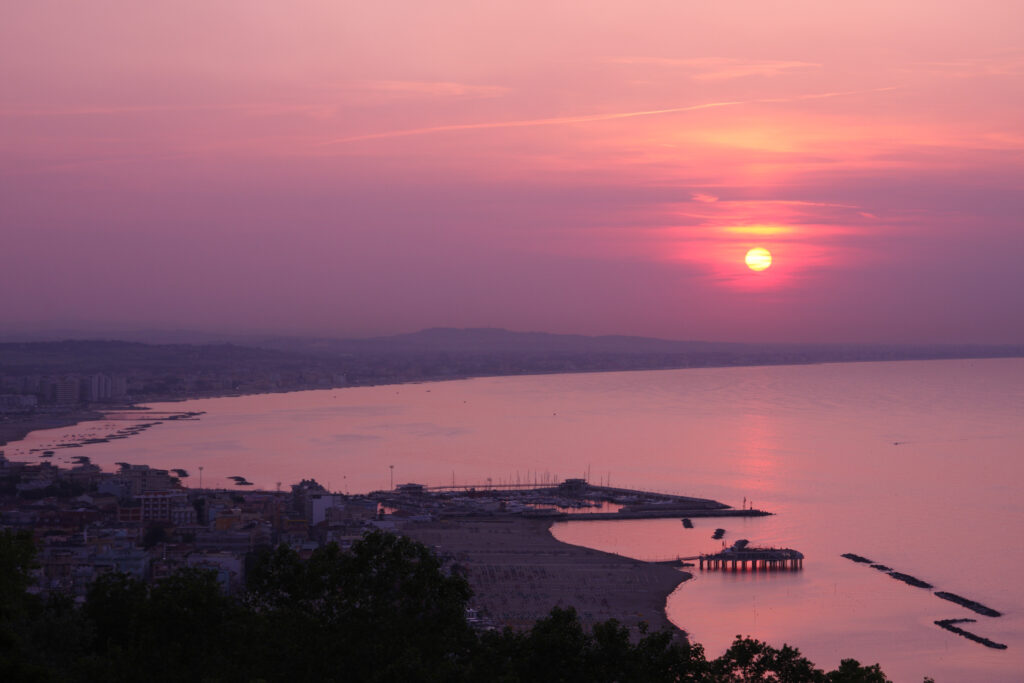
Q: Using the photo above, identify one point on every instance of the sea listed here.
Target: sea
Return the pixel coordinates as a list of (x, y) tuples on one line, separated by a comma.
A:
[(916, 465)]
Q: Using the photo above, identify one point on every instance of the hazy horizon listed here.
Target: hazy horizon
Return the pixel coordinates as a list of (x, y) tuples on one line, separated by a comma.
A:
[(242, 337), (349, 170)]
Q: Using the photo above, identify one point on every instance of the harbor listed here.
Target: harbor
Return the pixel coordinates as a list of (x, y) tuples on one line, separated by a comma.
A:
[(570, 500)]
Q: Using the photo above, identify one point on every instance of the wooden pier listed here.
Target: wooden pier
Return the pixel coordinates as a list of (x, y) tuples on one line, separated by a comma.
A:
[(753, 559)]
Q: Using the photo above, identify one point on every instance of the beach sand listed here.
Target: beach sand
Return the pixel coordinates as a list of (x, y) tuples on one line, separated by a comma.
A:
[(519, 571), (17, 428)]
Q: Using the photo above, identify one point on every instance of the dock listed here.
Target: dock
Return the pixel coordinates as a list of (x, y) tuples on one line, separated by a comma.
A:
[(744, 558)]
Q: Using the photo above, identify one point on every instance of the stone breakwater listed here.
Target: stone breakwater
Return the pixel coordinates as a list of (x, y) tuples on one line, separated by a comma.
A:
[(969, 604), (856, 558), (948, 624), (910, 580), (899, 576)]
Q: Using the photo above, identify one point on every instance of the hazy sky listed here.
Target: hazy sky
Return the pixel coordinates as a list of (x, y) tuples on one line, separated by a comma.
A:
[(352, 168)]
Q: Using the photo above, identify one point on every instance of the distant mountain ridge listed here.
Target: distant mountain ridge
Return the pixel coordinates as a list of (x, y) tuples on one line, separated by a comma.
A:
[(450, 340), (494, 340), (441, 352)]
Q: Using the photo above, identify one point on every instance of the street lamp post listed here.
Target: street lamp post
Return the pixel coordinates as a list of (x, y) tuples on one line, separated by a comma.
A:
[(392, 477)]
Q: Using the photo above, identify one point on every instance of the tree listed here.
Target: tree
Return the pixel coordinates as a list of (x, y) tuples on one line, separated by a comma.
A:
[(851, 671), (749, 661), (17, 558), (385, 611)]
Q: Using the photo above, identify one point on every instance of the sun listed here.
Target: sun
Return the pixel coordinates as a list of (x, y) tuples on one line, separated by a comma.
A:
[(758, 258)]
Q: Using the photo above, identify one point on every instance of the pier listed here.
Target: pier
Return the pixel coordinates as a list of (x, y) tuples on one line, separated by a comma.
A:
[(742, 558)]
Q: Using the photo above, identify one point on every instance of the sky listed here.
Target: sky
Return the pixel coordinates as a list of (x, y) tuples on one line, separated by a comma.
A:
[(359, 168)]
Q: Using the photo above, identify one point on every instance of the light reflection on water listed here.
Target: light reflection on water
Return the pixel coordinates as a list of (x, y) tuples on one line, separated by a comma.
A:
[(914, 464)]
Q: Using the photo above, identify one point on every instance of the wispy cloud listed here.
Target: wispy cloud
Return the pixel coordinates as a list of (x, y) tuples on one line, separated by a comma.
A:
[(324, 103), (254, 108), (586, 118), (1003, 65), (787, 202), (526, 123), (429, 89), (721, 68)]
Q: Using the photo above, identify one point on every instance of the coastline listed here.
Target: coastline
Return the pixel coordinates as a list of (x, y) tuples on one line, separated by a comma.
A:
[(18, 429), (518, 572)]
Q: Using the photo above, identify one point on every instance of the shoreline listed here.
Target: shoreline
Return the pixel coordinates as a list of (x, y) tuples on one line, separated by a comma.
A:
[(519, 571), (18, 429)]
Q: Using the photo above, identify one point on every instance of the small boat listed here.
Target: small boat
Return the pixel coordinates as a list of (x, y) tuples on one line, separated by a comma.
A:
[(687, 523)]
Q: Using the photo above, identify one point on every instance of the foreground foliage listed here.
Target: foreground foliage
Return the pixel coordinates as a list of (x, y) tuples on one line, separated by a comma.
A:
[(385, 611)]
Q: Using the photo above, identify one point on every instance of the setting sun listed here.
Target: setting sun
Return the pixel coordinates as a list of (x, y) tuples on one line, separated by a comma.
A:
[(758, 259)]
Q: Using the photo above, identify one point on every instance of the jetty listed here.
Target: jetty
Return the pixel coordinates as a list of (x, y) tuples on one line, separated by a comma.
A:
[(741, 557), (951, 625), (969, 604)]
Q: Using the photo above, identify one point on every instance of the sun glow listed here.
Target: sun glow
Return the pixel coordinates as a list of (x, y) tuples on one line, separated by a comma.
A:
[(758, 259)]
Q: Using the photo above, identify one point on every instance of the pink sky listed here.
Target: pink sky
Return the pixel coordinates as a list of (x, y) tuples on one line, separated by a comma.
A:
[(595, 167)]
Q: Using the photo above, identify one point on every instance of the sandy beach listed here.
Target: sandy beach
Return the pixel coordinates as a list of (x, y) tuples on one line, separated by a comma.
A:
[(17, 428), (518, 572)]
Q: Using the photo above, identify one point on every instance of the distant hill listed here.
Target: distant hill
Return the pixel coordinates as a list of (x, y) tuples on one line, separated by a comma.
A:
[(436, 353), (489, 340), (496, 341)]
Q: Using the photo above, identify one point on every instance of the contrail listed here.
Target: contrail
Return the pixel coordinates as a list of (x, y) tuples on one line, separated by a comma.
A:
[(525, 123), (586, 118)]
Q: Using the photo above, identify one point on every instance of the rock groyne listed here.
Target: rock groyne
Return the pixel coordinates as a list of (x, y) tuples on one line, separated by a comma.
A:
[(969, 604), (949, 625)]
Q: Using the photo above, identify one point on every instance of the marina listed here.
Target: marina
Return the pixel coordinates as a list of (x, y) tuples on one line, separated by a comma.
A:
[(571, 500)]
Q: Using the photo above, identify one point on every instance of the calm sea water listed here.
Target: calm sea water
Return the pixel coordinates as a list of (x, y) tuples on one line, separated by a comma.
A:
[(917, 465)]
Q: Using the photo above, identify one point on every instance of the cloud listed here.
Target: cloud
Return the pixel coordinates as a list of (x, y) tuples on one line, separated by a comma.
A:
[(1004, 65), (721, 68), (430, 89), (252, 108), (589, 118), (347, 438)]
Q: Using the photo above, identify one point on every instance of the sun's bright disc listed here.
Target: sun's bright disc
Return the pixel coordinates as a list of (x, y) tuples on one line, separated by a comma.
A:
[(758, 258)]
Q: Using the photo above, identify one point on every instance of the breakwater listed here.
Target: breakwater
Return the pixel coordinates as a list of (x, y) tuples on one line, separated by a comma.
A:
[(949, 625), (899, 576), (649, 514), (969, 604), (857, 558), (909, 580), (572, 500)]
